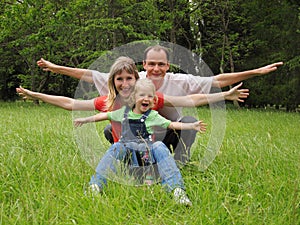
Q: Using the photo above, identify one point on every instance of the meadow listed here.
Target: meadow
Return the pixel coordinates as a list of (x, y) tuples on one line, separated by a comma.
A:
[(254, 178)]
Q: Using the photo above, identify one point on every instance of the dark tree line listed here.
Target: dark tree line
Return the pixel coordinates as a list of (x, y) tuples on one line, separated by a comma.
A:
[(229, 35)]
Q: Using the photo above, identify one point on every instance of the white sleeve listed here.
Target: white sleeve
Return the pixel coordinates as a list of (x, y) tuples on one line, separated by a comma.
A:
[(198, 84), (100, 80), (185, 84)]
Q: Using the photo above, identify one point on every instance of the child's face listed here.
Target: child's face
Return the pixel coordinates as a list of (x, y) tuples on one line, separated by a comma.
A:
[(144, 99)]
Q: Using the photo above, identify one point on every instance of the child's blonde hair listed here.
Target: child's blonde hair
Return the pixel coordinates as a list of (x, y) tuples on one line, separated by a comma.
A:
[(140, 85)]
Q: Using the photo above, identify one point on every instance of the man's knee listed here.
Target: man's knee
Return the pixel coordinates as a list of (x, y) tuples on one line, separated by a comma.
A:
[(188, 119), (108, 133)]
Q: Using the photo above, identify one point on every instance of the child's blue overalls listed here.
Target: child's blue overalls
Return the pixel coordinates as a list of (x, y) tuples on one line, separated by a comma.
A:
[(148, 162), (136, 140)]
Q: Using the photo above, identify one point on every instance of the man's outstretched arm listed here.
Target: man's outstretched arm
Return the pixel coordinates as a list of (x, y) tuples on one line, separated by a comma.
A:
[(77, 73), (226, 79)]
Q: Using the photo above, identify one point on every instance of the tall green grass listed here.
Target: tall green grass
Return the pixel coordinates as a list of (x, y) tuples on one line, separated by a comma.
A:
[(253, 180)]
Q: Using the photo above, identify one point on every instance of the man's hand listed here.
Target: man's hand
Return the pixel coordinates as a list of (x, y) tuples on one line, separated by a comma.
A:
[(268, 69), (25, 94)]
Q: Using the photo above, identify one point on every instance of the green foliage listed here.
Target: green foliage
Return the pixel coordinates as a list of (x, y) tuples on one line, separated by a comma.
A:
[(222, 29), (256, 36), (228, 35), (278, 42)]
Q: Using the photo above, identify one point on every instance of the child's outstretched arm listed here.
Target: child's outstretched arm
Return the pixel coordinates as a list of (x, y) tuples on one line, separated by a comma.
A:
[(98, 117), (198, 126)]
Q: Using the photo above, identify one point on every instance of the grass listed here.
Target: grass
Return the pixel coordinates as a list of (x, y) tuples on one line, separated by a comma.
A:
[(254, 178)]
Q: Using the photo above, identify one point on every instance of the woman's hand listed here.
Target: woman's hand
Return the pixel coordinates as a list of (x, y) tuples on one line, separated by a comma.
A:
[(25, 93), (235, 94)]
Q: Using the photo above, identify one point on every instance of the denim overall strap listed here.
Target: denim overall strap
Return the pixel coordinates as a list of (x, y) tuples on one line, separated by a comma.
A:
[(135, 129), (136, 139)]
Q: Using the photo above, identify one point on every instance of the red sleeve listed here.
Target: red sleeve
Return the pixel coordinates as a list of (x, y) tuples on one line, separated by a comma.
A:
[(100, 104), (159, 103)]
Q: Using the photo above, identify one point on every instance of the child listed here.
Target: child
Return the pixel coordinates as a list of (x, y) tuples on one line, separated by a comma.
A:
[(137, 126)]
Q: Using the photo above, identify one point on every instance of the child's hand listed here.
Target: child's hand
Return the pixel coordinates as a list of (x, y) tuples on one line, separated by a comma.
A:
[(79, 122), (200, 126)]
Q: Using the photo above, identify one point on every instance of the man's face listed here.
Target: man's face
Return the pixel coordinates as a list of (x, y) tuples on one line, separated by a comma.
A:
[(156, 65)]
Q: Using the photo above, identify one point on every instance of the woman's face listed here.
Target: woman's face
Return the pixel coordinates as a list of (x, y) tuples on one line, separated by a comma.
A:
[(124, 83)]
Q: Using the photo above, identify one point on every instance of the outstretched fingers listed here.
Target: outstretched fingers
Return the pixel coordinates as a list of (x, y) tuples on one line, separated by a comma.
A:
[(78, 122), (202, 127), (24, 93), (243, 93), (270, 68), (277, 64), (21, 92), (44, 64), (238, 86)]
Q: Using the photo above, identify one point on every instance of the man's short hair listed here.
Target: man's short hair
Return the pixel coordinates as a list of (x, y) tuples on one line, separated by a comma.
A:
[(156, 48)]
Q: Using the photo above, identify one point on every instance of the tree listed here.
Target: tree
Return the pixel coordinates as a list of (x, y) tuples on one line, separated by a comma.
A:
[(228, 35), (276, 40)]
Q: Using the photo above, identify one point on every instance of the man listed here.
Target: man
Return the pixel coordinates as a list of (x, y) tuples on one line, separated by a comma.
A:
[(156, 64)]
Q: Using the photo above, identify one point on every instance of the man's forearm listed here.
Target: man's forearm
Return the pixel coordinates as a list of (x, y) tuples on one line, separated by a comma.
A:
[(226, 79), (77, 73), (81, 74)]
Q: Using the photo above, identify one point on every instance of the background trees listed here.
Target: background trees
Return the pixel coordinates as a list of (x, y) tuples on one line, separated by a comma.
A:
[(229, 35)]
